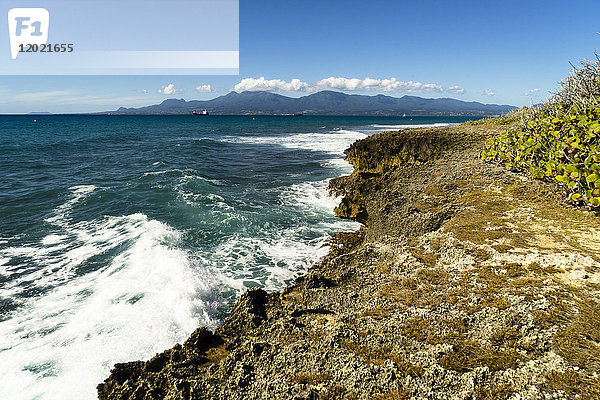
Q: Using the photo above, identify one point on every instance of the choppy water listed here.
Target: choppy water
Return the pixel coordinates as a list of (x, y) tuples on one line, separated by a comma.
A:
[(120, 235)]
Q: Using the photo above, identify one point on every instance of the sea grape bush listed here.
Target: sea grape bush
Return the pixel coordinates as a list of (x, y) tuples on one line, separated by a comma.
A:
[(559, 140), (492, 121), (514, 116), (563, 146)]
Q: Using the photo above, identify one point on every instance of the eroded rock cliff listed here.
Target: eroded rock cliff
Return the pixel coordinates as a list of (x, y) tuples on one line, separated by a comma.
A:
[(467, 281)]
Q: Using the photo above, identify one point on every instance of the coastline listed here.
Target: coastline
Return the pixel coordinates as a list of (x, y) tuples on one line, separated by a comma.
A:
[(466, 281)]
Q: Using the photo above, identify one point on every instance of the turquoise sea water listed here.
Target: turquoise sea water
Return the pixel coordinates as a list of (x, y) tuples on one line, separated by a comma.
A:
[(120, 235)]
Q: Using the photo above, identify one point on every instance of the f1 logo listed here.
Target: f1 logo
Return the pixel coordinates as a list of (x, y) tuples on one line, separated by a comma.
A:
[(27, 26)]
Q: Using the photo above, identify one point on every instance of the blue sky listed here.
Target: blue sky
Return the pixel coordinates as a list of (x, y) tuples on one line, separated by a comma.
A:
[(506, 52)]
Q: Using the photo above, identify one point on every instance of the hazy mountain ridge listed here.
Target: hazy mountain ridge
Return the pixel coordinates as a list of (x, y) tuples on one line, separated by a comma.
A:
[(321, 103)]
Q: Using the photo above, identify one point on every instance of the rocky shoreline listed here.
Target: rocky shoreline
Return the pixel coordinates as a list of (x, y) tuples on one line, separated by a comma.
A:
[(467, 281)]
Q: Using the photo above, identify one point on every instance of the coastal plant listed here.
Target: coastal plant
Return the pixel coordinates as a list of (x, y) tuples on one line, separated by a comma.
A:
[(581, 89), (563, 147), (514, 116), (559, 140)]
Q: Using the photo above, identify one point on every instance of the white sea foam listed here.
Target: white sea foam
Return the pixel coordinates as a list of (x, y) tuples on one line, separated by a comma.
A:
[(53, 239), (269, 262), (334, 142), (78, 193), (409, 126), (276, 257), (151, 294), (310, 196), (62, 342), (186, 175), (166, 171)]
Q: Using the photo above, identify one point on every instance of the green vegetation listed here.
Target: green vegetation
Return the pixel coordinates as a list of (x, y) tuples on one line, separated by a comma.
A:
[(581, 88), (564, 148), (512, 117), (559, 140), (492, 121)]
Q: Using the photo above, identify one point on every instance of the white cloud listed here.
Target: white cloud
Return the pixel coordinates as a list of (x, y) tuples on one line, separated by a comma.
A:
[(169, 89), (489, 92), (204, 89), (385, 85), (271, 85), (455, 89), (532, 91), (344, 84)]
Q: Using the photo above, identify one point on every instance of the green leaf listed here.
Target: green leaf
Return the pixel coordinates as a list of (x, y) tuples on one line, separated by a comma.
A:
[(592, 178), (561, 178), (595, 127)]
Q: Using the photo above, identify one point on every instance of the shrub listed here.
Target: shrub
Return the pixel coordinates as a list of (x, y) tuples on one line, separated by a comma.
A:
[(561, 145), (581, 89), (510, 118), (558, 140)]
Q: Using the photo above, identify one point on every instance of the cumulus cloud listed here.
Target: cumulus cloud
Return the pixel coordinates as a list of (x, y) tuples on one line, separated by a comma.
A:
[(455, 89), (270, 85), (343, 84), (385, 85), (204, 89), (489, 92), (532, 91), (169, 89)]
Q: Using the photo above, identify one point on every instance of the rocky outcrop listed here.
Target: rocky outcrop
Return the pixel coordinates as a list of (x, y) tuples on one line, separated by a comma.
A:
[(467, 281)]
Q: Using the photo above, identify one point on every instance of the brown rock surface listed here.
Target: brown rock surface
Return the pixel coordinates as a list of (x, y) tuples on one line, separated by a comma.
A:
[(468, 281)]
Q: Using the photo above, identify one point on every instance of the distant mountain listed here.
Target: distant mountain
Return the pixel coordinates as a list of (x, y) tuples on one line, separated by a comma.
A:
[(321, 103)]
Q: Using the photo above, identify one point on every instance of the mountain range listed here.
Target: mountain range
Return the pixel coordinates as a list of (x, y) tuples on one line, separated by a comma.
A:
[(320, 103)]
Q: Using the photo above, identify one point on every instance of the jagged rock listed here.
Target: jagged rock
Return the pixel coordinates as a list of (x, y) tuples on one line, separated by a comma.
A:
[(248, 313), (314, 281), (467, 282)]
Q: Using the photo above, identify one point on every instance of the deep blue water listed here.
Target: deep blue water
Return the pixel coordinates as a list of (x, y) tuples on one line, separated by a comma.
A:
[(120, 235)]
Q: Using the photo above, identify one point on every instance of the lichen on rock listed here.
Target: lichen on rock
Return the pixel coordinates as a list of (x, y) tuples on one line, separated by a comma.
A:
[(467, 281)]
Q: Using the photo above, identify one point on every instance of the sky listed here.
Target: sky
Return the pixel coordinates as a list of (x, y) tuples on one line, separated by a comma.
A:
[(502, 52)]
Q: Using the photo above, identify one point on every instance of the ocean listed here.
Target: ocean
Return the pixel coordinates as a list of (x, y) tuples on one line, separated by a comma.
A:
[(120, 235)]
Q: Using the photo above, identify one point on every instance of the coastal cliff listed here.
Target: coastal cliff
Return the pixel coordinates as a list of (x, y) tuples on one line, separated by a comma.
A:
[(467, 281)]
